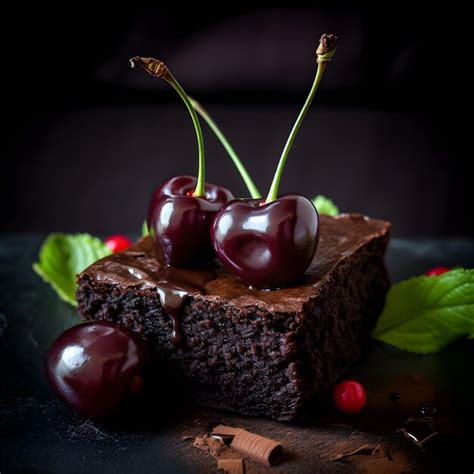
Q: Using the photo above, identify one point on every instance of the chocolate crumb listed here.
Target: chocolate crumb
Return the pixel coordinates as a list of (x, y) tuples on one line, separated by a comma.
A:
[(425, 409), (211, 445), (231, 466)]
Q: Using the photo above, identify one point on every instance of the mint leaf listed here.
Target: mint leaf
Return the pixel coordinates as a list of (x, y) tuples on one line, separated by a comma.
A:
[(63, 256), (145, 231), (423, 314), (325, 206)]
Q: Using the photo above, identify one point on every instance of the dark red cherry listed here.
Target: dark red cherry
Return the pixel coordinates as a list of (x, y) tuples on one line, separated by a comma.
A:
[(267, 245), (180, 222), (96, 366)]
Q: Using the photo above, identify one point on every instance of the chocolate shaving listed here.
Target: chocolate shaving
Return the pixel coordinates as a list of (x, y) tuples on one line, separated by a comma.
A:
[(420, 430), (231, 466), (214, 446), (225, 430), (365, 449), (264, 450)]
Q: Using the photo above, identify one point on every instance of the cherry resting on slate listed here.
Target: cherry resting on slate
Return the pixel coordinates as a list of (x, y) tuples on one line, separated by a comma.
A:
[(270, 243), (182, 209), (96, 366)]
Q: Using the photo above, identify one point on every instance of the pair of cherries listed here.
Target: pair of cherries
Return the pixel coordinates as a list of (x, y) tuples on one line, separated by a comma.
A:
[(266, 242)]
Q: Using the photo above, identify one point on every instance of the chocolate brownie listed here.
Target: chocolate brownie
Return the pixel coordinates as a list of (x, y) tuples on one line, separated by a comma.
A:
[(257, 352)]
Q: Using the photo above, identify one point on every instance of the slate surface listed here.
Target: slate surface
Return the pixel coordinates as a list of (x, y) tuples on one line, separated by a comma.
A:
[(38, 433)]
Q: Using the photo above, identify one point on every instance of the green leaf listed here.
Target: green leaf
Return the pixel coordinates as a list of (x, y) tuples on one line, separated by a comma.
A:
[(423, 314), (63, 256), (145, 231), (325, 206)]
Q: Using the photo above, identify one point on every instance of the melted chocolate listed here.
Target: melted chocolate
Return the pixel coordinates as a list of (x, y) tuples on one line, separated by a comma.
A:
[(141, 265)]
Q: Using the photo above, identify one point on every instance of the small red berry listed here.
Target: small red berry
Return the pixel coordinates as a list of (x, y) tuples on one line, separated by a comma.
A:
[(118, 242), (437, 271), (350, 396)]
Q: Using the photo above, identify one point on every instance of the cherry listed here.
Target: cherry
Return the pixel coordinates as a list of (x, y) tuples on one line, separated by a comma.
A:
[(118, 243), (96, 366), (272, 242), (267, 245), (350, 396), (437, 271), (180, 223), (182, 209)]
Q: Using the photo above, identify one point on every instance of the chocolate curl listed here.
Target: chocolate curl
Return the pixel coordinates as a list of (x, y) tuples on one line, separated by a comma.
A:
[(231, 466), (261, 449), (152, 66)]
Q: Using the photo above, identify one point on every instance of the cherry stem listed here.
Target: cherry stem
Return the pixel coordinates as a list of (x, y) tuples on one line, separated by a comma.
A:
[(273, 193), (252, 188), (158, 69), (325, 52)]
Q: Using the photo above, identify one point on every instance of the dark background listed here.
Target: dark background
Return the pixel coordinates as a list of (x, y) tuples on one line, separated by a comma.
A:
[(86, 139)]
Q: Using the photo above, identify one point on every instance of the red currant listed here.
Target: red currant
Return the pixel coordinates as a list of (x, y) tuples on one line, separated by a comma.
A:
[(118, 242), (437, 271), (350, 396)]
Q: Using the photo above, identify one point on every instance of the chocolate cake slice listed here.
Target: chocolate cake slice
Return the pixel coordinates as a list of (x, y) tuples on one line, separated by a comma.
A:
[(254, 352)]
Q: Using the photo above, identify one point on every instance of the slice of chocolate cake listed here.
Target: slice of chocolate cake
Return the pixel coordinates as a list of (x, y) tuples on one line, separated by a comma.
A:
[(258, 352)]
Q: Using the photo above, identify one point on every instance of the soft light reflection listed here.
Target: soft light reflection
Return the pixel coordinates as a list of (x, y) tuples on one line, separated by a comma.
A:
[(72, 358), (225, 223), (165, 216), (257, 222), (137, 274)]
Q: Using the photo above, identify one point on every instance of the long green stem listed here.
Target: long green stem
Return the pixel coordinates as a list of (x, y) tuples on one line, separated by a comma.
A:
[(272, 194), (159, 70), (252, 188), (201, 179)]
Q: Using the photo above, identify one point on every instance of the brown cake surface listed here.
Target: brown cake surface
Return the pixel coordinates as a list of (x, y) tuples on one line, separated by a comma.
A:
[(256, 352)]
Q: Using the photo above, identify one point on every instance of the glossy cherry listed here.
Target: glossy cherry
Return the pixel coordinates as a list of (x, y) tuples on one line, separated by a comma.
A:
[(118, 243), (267, 245), (96, 366), (180, 223), (437, 271), (181, 210), (350, 396), (270, 243)]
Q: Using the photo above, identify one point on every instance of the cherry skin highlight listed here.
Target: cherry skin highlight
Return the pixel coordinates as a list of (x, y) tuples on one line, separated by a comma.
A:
[(350, 396), (96, 366), (180, 222), (437, 271), (118, 243), (267, 245)]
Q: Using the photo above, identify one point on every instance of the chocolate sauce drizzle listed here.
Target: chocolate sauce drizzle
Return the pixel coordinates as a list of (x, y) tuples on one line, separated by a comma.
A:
[(134, 267), (142, 266)]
